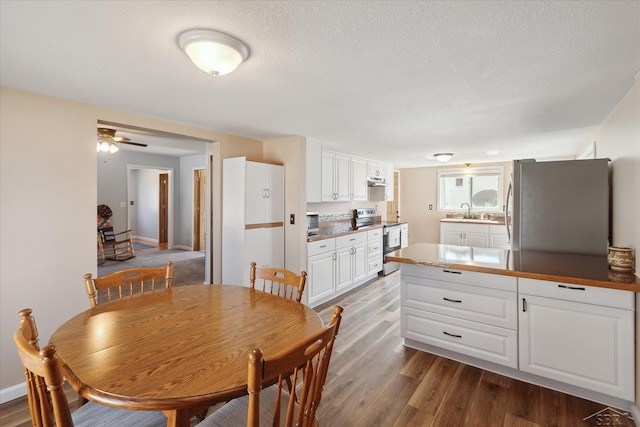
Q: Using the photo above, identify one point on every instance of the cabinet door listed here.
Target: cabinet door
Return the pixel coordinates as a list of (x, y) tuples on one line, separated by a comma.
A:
[(328, 176), (274, 247), (342, 182), (274, 201), (255, 193), (360, 261), (585, 345), (321, 276), (476, 240), (359, 179), (344, 271), (450, 237), (255, 251)]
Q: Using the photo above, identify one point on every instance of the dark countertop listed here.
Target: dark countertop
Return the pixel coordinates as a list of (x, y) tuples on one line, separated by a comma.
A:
[(586, 270), (343, 232)]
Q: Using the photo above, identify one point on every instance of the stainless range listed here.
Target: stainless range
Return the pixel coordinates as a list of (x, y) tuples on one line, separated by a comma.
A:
[(391, 235)]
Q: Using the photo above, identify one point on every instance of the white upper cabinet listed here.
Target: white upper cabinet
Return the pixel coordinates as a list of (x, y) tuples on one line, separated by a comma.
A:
[(264, 193), (358, 178), (339, 177)]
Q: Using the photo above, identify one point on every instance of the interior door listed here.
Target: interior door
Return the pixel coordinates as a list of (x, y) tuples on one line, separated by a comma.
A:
[(163, 214), (199, 209)]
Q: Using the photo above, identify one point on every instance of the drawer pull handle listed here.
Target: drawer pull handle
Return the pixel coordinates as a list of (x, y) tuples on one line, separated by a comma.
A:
[(453, 300), (351, 240), (574, 288), (323, 246), (452, 335), (452, 272)]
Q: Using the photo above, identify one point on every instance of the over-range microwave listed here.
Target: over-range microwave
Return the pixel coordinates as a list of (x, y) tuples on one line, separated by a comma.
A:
[(313, 223)]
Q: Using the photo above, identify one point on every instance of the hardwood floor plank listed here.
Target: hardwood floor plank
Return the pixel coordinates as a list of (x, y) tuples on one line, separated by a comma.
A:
[(390, 403), (433, 387), (455, 406)]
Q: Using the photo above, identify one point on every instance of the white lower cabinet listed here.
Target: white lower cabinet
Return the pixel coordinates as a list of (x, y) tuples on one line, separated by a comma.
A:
[(573, 338), (321, 262), (474, 314), (578, 335), (374, 252), (336, 265), (351, 257), (475, 235)]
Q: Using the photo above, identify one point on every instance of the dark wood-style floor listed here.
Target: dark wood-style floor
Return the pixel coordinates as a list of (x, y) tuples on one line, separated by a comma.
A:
[(375, 381)]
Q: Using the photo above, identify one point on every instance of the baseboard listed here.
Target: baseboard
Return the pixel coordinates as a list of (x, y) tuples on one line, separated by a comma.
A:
[(145, 240), (635, 413), (183, 248), (10, 393)]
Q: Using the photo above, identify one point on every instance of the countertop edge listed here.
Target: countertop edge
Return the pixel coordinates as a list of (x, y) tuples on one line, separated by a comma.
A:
[(539, 276)]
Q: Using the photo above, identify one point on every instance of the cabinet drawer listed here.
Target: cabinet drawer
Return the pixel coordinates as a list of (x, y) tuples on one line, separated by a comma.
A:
[(320, 246), (351, 240), (374, 234), (375, 265), (490, 306), (374, 248), (497, 345), (485, 280), (578, 293)]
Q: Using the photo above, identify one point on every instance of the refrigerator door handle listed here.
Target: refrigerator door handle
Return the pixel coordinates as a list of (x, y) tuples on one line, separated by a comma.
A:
[(506, 209)]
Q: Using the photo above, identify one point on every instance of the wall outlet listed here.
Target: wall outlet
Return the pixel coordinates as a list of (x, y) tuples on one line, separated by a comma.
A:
[(430, 207), (292, 219)]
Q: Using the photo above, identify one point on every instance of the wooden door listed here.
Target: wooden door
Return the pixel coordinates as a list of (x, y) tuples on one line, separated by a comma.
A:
[(163, 209), (199, 209), (392, 207)]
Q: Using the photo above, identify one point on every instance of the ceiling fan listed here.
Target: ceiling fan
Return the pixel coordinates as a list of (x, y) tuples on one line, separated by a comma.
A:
[(107, 139)]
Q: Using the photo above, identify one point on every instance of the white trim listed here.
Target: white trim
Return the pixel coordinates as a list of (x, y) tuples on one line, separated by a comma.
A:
[(15, 391), (635, 413)]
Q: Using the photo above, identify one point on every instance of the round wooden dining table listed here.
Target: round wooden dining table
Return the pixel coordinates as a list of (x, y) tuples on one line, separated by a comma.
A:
[(178, 350)]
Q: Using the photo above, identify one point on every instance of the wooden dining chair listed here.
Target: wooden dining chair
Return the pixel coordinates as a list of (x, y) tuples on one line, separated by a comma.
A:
[(278, 281), (48, 403), (307, 362), (127, 283)]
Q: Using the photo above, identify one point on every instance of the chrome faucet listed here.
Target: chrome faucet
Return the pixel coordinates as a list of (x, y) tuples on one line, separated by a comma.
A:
[(468, 210)]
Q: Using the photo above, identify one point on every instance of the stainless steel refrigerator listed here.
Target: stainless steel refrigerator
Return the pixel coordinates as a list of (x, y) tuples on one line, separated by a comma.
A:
[(560, 206)]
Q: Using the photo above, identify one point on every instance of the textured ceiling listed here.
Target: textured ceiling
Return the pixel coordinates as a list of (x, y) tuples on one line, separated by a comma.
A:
[(391, 80)]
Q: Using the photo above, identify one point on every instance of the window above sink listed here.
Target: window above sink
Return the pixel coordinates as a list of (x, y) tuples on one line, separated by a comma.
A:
[(470, 190)]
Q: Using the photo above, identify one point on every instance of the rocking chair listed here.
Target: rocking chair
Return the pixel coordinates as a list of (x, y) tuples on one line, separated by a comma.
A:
[(111, 245)]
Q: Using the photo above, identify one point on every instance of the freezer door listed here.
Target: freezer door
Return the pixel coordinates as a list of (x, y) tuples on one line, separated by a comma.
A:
[(562, 206)]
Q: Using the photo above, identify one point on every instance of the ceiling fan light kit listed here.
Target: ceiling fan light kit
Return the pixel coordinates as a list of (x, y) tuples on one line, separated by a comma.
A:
[(107, 140), (213, 52), (443, 157)]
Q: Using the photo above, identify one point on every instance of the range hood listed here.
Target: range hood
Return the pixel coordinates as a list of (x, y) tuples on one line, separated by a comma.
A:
[(376, 181)]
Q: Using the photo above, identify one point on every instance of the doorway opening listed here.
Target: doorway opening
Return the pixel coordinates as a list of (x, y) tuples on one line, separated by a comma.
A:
[(151, 184)]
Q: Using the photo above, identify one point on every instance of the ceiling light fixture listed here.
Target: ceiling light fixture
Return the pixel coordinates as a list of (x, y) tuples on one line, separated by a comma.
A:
[(213, 52), (106, 145), (443, 157)]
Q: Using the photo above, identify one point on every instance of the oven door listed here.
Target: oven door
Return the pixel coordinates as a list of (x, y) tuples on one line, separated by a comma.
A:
[(391, 239)]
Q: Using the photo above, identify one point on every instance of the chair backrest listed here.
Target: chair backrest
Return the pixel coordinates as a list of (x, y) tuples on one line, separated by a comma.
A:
[(278, 281), (307, 362), (45, 381), (128, 282)]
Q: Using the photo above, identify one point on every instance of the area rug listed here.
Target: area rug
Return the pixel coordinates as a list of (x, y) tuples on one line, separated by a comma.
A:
[(137, 246), (188, 266)]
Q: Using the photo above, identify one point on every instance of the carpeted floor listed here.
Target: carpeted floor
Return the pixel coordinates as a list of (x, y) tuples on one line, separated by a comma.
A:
[(188, 266)]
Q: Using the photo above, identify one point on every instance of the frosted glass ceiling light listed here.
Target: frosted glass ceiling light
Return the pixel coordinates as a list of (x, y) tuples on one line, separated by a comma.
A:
[(213, 52), (443, 157)]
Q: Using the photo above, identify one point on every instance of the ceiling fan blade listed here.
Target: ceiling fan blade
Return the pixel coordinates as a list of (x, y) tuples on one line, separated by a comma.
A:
[(139, 144)]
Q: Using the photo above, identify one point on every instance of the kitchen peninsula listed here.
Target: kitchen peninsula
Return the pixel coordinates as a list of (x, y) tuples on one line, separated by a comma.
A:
[(561, 321)]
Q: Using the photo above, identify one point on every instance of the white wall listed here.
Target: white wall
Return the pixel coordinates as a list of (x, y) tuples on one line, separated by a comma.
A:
[(619, 139)]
